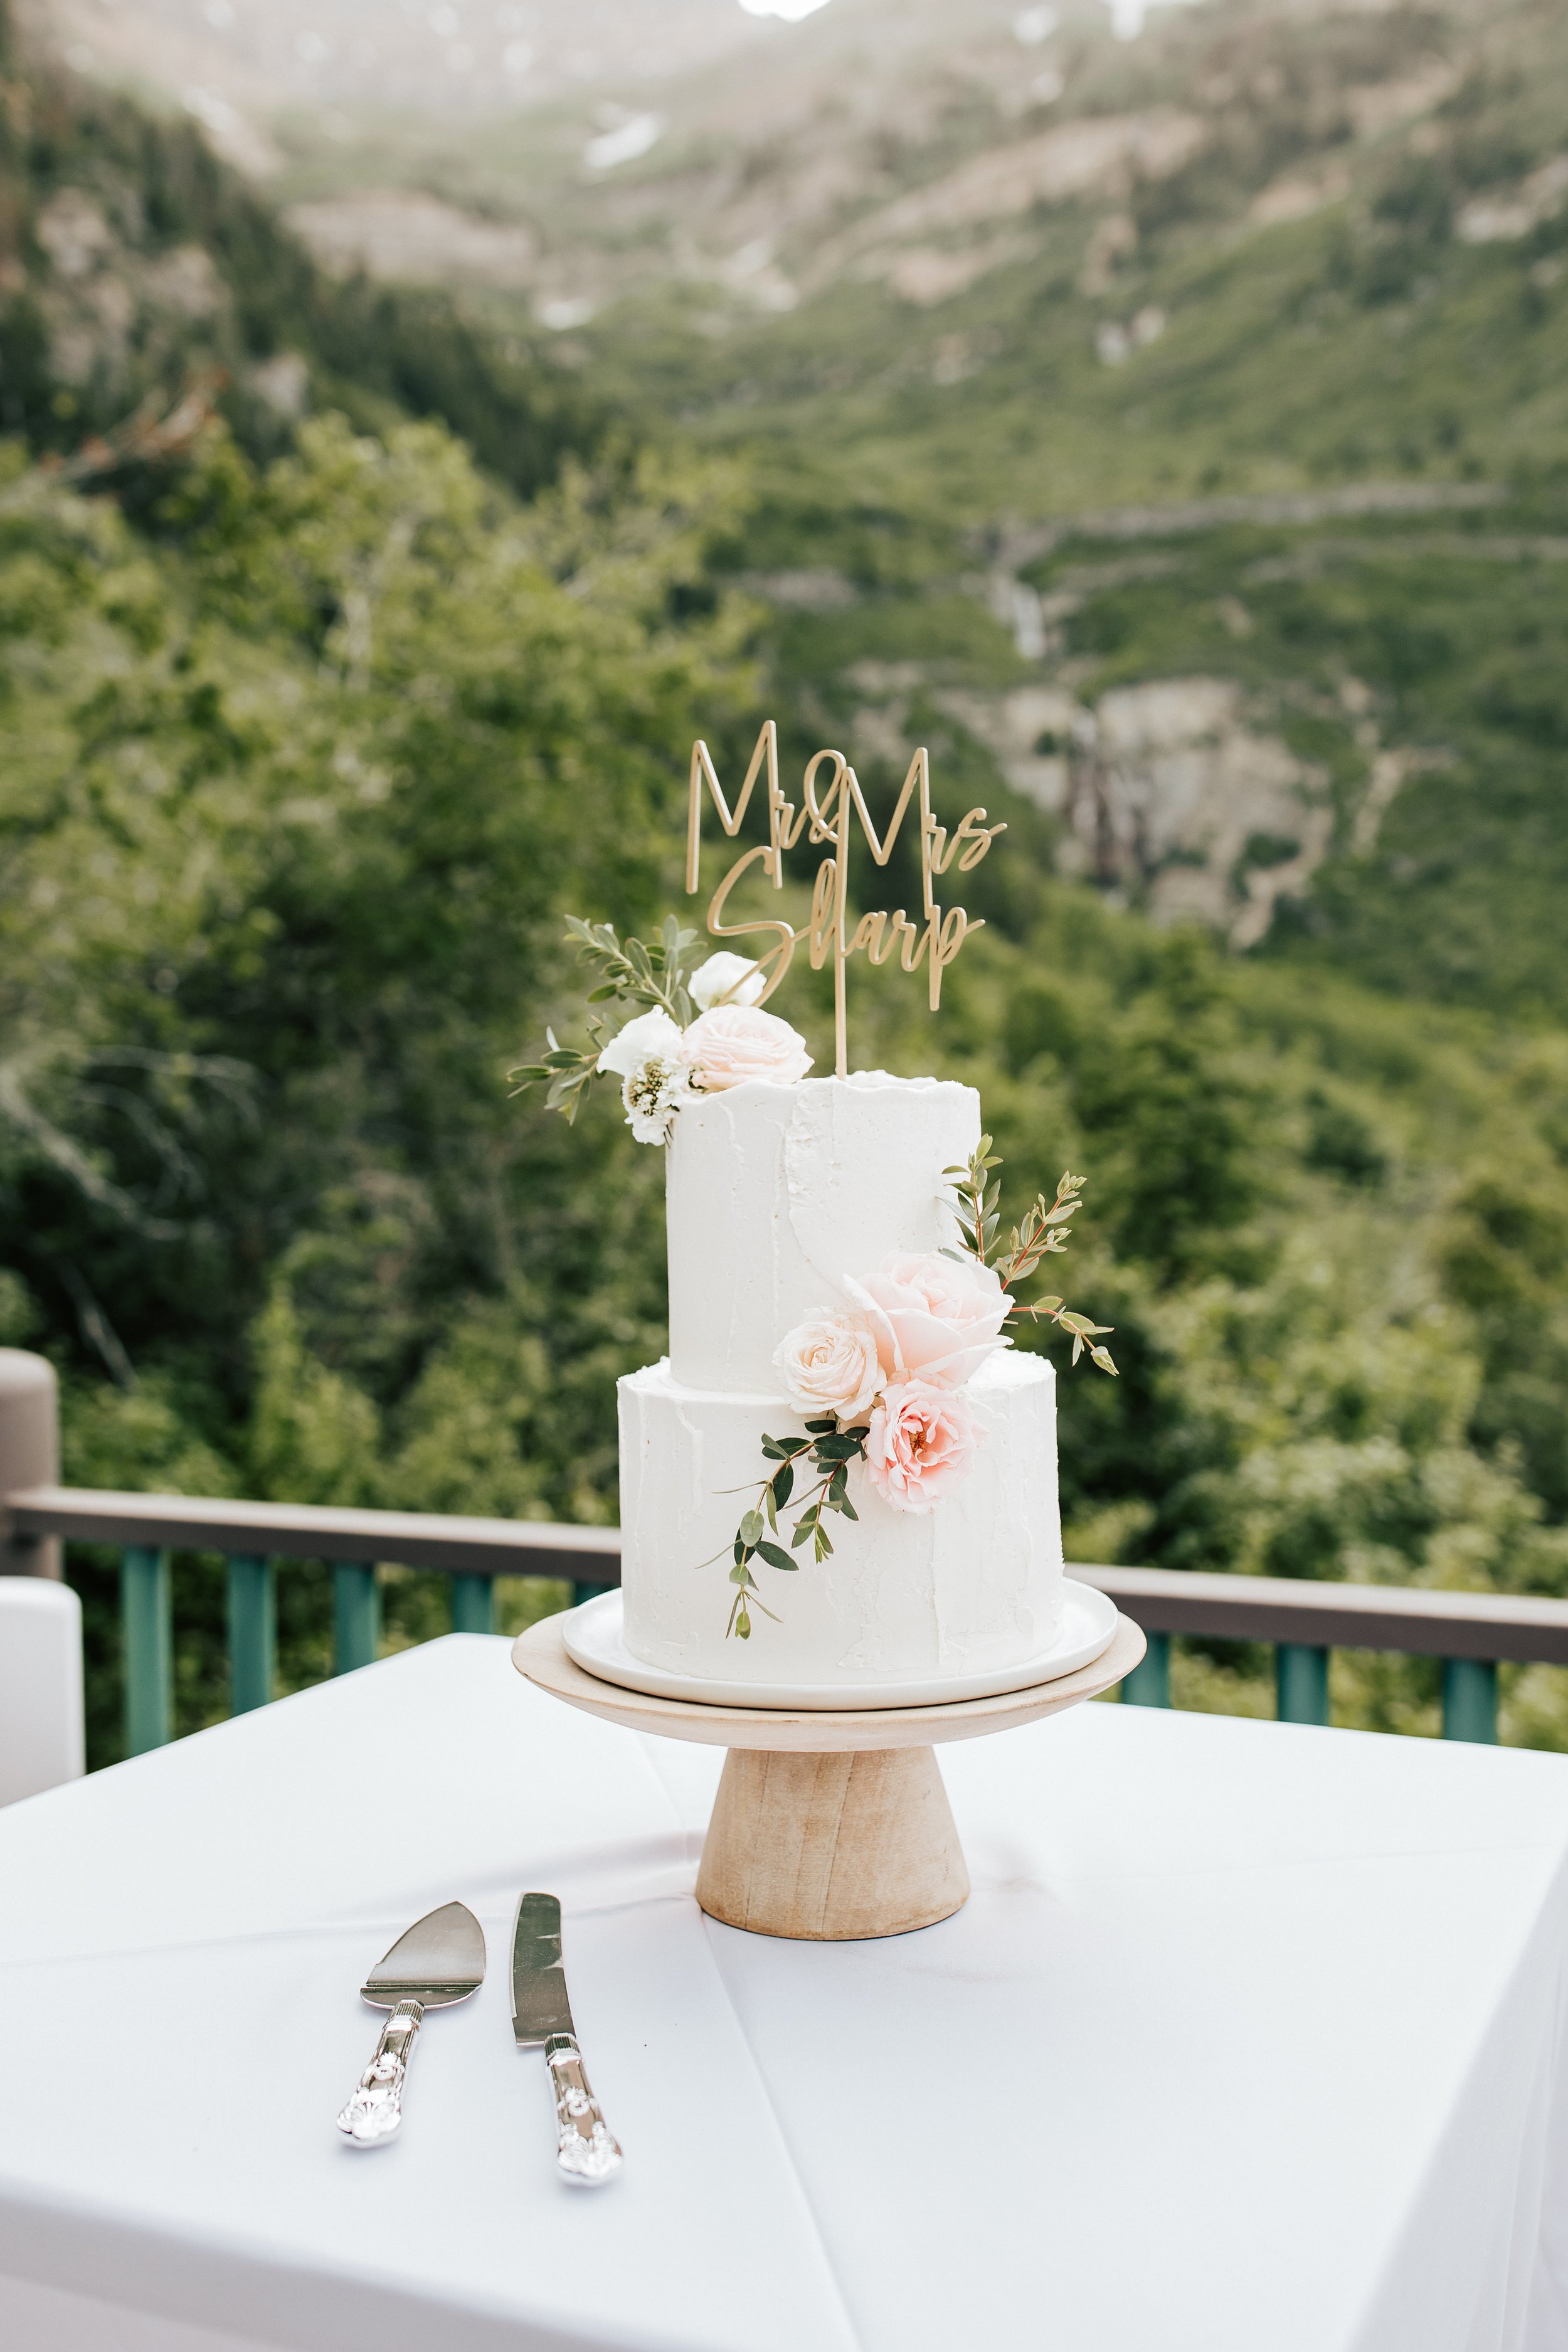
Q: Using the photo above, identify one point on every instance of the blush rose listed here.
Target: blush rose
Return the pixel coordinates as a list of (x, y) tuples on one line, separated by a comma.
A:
[(920, 1446), (937, 1319), (733, 1043)]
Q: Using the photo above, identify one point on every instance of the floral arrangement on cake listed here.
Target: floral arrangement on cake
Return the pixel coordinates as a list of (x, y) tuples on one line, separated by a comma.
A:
[(882, 1379), (704, 1030)]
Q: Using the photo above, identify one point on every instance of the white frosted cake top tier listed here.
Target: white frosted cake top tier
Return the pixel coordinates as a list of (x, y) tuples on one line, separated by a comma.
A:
[(775, 1193)]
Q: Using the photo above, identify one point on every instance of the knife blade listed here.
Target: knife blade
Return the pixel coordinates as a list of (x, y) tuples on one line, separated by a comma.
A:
[(586, 2151), (440, 1961)]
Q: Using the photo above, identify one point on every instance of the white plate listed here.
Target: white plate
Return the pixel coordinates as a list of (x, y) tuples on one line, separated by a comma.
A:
[(593, 1640)]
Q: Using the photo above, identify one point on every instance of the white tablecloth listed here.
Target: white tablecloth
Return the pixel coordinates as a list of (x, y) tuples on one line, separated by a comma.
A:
[(1249, 2040)]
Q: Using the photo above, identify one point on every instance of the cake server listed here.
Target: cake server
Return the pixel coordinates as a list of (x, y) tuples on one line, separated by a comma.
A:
[(441, 1959), (541, 2013)]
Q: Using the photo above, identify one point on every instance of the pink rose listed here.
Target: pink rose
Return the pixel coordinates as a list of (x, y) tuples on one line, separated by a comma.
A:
[(737, 1042), (921, 1445), (936, 1317)]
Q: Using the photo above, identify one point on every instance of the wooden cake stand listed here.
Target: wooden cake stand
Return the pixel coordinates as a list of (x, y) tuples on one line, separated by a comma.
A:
[(827, 1827)]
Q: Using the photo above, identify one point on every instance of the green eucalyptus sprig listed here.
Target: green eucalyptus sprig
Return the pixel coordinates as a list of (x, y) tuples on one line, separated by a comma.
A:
[(830, 1450), (653, 972), (645, 973), (1043, 1232)]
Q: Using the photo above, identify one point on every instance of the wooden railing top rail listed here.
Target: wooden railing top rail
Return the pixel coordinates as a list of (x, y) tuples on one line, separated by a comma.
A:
[(1328, 1616), (1316, 1615), (315, 1531)]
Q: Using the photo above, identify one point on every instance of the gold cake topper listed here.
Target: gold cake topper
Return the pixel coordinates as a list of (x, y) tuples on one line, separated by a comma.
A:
[(826, 817)]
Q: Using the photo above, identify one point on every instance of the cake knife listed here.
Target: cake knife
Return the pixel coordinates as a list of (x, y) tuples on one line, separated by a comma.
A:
[(441, 1959), (541, 2013)]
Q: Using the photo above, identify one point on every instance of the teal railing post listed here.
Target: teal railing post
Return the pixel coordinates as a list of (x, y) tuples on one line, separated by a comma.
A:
[(252, 1630), (1469, 1700), (146, 1620), (356, 1616), (1149, 1684), (1300, 1684), (473, 1604)]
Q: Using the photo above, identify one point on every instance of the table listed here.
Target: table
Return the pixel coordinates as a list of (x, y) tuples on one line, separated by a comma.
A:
[(1250, 2036)]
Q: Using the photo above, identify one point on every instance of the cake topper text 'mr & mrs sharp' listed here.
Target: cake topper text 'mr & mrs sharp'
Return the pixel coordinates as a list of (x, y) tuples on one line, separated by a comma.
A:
[(831, 804)]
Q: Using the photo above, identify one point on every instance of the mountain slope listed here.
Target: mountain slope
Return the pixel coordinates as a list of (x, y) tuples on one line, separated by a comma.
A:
[(132, 261)]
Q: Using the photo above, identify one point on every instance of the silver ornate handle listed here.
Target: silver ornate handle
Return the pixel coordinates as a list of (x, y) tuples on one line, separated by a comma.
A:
[(375, 2110), (584, 2148)]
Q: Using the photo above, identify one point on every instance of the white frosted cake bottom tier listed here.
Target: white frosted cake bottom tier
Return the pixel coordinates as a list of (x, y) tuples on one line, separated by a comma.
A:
[(972, 1587)]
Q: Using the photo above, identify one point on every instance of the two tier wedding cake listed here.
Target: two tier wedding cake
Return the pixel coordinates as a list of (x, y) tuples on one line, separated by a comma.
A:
[(806, 1223), (839, 1487)]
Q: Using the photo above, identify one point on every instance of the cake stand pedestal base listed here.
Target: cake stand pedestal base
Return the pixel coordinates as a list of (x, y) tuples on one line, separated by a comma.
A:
[(828, 1826), (832, 1847)]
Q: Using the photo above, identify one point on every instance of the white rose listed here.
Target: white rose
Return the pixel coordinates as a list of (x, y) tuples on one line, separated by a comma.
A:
[(830, 1365), (735, 978)]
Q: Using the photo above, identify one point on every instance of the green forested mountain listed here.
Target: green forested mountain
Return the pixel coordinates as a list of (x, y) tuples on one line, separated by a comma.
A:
[(134, 263), (316, 727)]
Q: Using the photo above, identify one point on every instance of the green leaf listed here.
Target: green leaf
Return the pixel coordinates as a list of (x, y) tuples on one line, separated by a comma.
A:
[(836, 1449), (847, 1507), (776, 1557), (743, 1626), (603, 995), (1101, 1356), (807, 1521), (822, 1428), (783, 1487), (751, 1527)]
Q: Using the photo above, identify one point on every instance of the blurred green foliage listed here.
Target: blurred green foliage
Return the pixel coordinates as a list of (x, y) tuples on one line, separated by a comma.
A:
[(304, 778)]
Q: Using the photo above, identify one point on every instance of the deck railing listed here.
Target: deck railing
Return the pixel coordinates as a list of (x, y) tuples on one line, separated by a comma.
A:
[(1304, 1620), (254, 1538)]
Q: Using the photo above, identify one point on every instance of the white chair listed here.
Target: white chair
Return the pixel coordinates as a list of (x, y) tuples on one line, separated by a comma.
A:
[(40, 1687)]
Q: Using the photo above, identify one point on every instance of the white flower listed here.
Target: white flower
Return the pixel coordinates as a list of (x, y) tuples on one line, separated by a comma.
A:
[(646, 1056), (652, 1096), (830, 1365), (652, 1036), (735, 978)]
